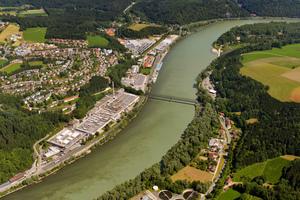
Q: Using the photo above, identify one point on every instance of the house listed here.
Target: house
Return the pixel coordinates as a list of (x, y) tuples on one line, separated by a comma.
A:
[(228, 181), (17, 177)]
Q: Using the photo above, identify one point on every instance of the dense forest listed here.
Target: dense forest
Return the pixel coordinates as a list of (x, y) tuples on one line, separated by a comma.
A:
[(272, 8), (73, 19), (148, 31), (19, 129), (70, 19), (282, 32), (183, 12)]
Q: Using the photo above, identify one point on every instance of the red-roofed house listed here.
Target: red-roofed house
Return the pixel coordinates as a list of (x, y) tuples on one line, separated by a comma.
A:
[(70, 98)]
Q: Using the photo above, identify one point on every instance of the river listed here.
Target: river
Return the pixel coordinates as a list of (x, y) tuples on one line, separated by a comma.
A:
[(150, 135)]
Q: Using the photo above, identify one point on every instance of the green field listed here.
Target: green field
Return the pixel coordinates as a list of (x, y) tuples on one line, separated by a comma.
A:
[(289, 54), (138, 27), (275, 69), (145, 71), (272, 169), (97, 41), (35, 35), (2, 61), (230, 194), (33, 13), (12, 67), (37, 63)]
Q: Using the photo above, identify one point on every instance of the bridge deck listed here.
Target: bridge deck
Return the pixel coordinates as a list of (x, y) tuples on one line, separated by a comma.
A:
[(172, 98)]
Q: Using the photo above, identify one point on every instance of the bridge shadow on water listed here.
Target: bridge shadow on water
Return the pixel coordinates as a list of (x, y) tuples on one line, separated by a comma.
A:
[(171, 101)]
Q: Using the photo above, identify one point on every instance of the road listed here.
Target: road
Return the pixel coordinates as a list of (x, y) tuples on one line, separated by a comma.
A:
[(128, 7), (207, 85)]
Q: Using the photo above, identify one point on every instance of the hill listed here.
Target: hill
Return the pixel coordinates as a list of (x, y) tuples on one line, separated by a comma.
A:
[(271, 169), (183, 12), (277, 68), (282, 8)]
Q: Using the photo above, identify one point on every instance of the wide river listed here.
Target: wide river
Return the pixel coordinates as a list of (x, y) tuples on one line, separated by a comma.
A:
[(151, 134)]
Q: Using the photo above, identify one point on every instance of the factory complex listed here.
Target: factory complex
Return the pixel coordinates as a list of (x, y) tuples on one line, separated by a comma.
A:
[(107, 109)]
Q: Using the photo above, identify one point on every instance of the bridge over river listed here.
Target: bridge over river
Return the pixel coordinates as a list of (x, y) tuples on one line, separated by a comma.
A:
[(172, 98)]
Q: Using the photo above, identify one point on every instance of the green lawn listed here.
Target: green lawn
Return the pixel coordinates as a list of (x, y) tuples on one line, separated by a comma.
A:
[(35, 34), (2, 61), (12, 67), (97, 41), (230, 194), (33, 63), (145, 71), (271, 168)]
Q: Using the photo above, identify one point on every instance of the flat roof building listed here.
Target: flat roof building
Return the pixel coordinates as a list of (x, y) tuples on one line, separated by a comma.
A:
[(66, 138)]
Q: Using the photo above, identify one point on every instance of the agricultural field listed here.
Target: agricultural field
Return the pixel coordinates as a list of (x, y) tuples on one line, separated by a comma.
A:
[(32, 35), (230, 194), (97, 41), (32, 13), (290, 157), (10, 29), (277, 68), (11, 67), (251, 121), (272, 169), (192, 174), (138, 27)]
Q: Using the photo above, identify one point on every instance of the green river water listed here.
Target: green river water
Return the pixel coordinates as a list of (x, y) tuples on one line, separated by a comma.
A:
[(151, 134)]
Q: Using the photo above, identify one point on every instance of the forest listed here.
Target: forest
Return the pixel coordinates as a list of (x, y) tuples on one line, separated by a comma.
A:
[(148, 31), (288, 187), (184, 12), (74, 19), (277, 131), (282, 8), (19, 129), (282, 32)]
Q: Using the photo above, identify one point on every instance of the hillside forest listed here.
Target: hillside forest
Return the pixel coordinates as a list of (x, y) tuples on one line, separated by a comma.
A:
[(74, 19)]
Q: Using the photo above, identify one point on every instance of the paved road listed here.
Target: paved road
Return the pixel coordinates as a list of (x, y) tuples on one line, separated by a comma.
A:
[(207, 85), (222, 120)]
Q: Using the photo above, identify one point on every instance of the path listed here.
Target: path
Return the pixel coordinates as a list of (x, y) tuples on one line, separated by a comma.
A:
[(128, 7)]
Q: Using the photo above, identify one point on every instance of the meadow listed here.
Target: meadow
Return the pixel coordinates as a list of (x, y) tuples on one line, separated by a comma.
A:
[(34, 63), (192, 174), (230, 194), (272, 169), (277, 68), (33, 35), (10, 29), (97, 41), (138, 27), (11, 67), (32, 13), (2, 61)]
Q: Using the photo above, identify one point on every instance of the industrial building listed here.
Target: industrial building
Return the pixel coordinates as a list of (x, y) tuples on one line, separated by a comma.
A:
[(107, 109), (65, 138)]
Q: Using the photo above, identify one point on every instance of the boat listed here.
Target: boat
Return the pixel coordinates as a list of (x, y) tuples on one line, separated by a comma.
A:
[(159, 66)]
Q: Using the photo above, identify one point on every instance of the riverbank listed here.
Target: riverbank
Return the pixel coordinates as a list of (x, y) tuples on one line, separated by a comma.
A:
[(147, 138)]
